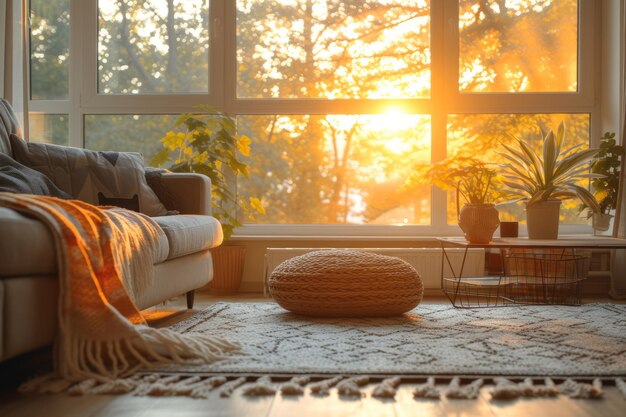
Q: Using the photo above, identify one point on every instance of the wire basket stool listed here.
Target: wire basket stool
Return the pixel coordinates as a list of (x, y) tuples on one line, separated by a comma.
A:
[(529, 276)]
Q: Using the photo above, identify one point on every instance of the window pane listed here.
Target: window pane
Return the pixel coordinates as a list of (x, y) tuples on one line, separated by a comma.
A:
[(333, 49), (49, 128), (480, 135), (518, 46), (131, 133), (153, 46), (49, 49), (337, 169)]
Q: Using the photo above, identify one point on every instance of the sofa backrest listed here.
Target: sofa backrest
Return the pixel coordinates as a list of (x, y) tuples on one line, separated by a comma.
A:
[(8, 125)]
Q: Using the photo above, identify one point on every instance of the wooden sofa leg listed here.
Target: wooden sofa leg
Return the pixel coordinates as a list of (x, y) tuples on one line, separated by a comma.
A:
[(190, 295)]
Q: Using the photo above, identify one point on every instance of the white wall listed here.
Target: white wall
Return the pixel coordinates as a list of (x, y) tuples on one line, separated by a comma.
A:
[(14, 71)]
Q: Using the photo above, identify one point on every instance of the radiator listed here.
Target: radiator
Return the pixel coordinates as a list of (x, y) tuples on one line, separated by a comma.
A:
[(427, 261)]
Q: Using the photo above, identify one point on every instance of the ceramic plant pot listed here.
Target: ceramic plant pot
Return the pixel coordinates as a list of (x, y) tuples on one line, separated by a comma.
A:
[(479, 222), (542, 219), (601, 221)]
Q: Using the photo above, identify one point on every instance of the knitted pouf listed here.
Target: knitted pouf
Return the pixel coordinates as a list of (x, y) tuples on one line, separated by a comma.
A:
[(345, 283)]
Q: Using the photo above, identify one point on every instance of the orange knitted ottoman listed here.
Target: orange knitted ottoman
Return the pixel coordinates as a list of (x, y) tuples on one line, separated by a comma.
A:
[(345, 283)]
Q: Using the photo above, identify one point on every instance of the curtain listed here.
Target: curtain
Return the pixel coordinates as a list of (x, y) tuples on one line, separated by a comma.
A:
[(618, 268), (3, 36)]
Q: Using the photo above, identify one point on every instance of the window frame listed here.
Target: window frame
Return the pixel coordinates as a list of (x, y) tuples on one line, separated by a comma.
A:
[(445, 99)]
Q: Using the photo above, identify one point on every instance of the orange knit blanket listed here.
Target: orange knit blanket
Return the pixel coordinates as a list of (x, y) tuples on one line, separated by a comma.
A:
[(101, 334)]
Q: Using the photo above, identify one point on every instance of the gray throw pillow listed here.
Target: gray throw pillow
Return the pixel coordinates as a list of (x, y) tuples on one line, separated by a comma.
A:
[(91, 176), (17, 178)]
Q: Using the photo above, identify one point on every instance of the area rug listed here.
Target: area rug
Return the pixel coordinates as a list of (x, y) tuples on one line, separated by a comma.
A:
[(431, 340)]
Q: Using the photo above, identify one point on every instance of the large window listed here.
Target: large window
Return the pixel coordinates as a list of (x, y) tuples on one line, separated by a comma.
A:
[(341, 98)]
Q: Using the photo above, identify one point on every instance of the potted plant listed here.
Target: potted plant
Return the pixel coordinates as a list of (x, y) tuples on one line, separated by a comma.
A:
[(473, 182), (607, 164), (543, 180), (206, 143)]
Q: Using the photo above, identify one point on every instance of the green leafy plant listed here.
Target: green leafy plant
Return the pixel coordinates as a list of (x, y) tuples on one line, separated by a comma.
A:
[(206, 143), (473, 180), (554, 174), (607, 164)]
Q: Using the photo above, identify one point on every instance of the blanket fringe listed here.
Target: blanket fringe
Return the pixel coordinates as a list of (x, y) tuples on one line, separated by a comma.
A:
[(48, 383), (108, 360)]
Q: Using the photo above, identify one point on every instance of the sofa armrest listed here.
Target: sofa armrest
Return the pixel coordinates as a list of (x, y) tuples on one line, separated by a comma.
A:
[(191, 192)]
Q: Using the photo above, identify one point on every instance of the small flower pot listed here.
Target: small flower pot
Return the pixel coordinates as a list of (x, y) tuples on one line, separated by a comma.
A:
[(479, 222), (601, 221)]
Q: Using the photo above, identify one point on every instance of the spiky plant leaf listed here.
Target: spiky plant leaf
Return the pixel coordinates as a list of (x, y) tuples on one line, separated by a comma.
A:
[(549, 157)]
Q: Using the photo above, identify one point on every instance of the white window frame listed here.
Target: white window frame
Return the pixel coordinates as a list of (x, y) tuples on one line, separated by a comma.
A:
[(446, 99)]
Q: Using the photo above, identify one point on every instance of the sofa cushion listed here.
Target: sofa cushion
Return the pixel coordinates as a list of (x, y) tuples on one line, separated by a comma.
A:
[(190, 233), (99, 178), (27, 246)]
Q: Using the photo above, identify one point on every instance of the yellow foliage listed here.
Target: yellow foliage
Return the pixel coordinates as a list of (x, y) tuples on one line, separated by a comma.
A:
[(243, 144), (173, 140), (255, 203)]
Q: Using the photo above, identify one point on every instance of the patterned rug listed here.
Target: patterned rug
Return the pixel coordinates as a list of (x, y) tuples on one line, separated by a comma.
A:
[(433, 339)]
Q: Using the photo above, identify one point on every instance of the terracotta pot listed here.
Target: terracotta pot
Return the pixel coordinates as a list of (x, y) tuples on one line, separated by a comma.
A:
[(542, 219), (228, 264), (479, 222)]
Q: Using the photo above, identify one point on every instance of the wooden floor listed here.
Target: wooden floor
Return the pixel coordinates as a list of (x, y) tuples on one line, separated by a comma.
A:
[(63, 405)]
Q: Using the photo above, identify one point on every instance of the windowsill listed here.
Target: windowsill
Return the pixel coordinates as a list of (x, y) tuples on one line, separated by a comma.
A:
[(240, 238), (357, 233)]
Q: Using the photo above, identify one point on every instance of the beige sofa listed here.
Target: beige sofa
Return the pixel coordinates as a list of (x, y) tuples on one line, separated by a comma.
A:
[(28, 265)]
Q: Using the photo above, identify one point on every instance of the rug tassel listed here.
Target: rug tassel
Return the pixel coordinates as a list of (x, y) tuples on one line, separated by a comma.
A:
[(156, 387), (427, 390), (113, 387), (387, 388), (229, 387), (323, 387), (295, 386), (621, 386), (457, 391), (508, 390), (351, 387), (203, 390), (575, 389), (262, 386)]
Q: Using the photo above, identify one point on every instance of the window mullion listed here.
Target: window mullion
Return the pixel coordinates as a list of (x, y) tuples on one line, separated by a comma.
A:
[(218, 27), (443, 85), (230, 57), (79, 47)]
